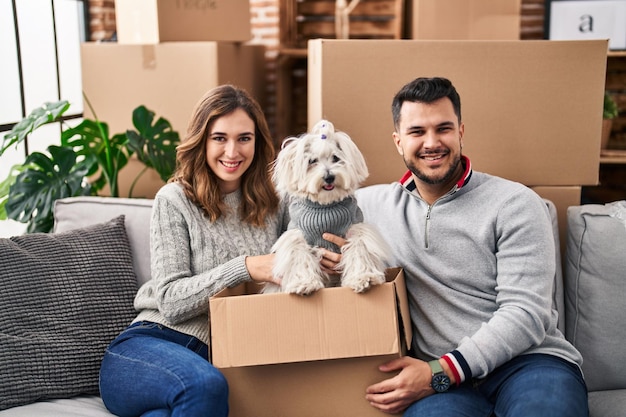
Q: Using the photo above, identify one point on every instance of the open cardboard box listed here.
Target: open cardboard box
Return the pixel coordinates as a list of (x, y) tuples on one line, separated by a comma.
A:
[(306, 356)]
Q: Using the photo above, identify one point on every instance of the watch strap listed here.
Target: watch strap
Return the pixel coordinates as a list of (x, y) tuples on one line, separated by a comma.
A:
[(435, 366)]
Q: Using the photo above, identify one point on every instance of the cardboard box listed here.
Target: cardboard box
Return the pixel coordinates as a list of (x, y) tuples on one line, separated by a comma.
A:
[(154, 21), (289, 355), (532, 110), (464, 19), (169, 79)]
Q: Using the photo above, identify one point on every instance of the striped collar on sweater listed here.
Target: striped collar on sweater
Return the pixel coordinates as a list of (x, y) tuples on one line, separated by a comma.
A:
[(408, 182)]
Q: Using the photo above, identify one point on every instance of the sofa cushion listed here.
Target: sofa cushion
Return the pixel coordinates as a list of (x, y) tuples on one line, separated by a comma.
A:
[(81, 406), (609, 403), (595, 286), (74, 212), (65, 296)]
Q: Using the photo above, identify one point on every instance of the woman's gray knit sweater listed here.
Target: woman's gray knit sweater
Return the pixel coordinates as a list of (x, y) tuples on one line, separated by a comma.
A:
[(193, 259)]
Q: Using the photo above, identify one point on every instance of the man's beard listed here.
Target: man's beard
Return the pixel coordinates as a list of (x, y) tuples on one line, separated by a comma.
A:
[(449, 174)]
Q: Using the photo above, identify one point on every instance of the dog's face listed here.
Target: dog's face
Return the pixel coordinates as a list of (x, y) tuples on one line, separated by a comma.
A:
[(323, 166)]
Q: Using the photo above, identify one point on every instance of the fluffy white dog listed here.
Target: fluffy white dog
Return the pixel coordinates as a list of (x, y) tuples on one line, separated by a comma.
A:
[(318, 173)]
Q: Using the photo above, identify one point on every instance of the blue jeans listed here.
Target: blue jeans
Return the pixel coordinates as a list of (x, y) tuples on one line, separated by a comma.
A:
[(533, 385), (150, 370)]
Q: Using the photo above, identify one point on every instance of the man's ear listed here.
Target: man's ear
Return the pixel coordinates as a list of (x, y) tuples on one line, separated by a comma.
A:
[(396, 141), (461, 134)]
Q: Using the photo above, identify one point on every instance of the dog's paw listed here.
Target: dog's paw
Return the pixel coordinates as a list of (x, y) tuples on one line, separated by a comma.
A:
[(270, 288), (303, 286), (361, 282)]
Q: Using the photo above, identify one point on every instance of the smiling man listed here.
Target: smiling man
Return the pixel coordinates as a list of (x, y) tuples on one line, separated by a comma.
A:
[(479, 259)]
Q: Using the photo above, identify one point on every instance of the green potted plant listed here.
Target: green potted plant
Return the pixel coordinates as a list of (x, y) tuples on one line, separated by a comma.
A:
[(86, 160), (609, 113)]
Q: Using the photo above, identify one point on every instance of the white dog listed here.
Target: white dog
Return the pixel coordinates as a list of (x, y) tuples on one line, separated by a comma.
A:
[(318, 173)]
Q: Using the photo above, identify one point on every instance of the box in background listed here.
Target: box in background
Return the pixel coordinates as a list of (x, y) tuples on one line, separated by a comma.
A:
[(289, 355), (169, 79), (464, 19), (532, 112), (155, 21)]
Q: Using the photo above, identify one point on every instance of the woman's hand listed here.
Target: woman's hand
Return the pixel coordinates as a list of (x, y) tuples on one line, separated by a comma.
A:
[(260, 268)]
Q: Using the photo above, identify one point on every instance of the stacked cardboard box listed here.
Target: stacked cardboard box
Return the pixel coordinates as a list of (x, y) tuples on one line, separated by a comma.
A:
[(154, 21), (532, 110), (168, 54), (464, 19)]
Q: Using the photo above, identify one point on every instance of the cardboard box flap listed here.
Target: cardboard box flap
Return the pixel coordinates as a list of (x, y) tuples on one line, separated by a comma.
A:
[(403, 306), (258, 329)]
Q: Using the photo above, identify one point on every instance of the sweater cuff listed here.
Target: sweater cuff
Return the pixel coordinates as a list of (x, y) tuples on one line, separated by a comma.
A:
[(235, 271), (458, 365)]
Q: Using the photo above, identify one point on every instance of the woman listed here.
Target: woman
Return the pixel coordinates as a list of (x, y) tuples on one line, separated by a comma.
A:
[(212, 227)]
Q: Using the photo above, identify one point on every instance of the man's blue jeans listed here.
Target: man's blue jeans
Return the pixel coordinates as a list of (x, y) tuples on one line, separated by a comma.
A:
[(533, 385), (150, 370)]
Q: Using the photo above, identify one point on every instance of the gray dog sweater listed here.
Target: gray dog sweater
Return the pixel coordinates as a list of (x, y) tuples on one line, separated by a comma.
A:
[(314, 219)]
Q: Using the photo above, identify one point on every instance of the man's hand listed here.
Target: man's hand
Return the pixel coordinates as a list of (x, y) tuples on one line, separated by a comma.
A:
[(395, 394), (330, 260)]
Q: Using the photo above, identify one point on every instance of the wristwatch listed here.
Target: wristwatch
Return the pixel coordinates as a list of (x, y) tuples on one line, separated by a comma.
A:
[(440, 381)]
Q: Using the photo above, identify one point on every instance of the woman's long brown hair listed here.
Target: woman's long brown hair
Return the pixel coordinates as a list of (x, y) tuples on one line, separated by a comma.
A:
[(198, 180)]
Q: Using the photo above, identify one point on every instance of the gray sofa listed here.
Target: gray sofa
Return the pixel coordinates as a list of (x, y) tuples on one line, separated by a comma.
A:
[(589, 294)]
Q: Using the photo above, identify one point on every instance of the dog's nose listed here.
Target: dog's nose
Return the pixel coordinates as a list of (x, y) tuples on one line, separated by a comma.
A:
[(329, 179)]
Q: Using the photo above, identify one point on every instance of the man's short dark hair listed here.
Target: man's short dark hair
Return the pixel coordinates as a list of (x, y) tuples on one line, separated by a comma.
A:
[(425, 90)]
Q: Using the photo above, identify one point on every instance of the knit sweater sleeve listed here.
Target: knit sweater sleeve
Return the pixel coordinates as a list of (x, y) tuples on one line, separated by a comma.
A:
[(525, 266), (190, 260)]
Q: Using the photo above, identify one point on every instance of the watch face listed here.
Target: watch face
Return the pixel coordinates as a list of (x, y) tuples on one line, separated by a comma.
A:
[(440, 383)]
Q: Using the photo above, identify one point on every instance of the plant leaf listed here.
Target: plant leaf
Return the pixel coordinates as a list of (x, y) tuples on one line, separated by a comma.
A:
[(6, 185), (49, 112), (155, 144), (45, 179), (91, 141)]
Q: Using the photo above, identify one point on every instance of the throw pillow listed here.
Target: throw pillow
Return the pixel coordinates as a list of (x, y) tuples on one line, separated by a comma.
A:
[(65, 296), (595, 269)]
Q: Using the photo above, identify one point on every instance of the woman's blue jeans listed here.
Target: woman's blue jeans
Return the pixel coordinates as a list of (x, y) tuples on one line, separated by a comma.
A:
[(150, 370), (533, 385)]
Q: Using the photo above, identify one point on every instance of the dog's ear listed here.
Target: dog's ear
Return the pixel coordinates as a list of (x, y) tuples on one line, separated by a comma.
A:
[(288, 141), (354, 157), (284, 173)]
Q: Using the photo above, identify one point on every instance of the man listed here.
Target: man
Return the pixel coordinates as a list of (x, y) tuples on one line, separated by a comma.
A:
[(478, 255)]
